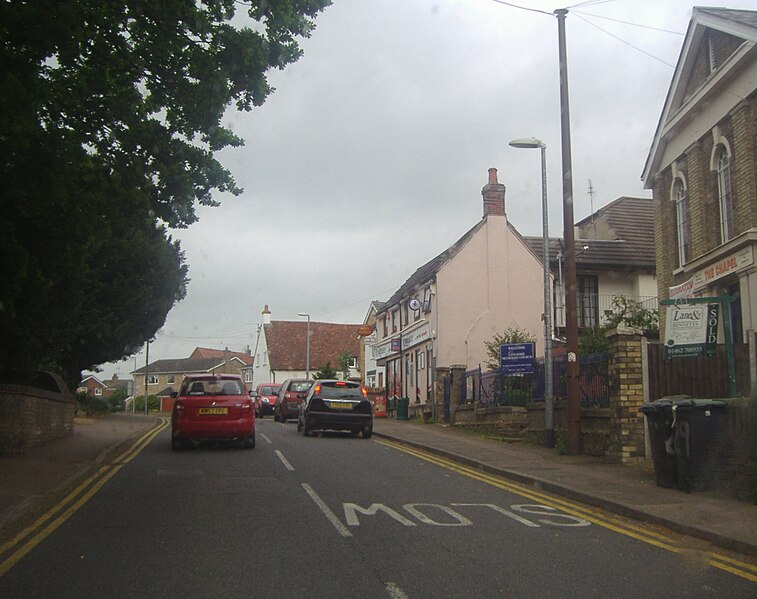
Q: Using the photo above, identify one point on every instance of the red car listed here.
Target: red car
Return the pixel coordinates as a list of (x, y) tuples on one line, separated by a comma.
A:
[(291, 395), (212, 407), (266, 395)]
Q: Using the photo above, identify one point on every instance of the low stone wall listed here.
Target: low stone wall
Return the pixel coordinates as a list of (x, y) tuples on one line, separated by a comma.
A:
[(31, 416), (528, 424)]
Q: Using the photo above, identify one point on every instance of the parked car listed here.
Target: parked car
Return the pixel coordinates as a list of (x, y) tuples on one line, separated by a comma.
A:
[(291, 395), (265, 396), (211, 407), (336, 405)]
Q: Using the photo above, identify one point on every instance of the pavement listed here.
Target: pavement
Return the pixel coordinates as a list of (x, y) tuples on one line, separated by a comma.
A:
[(33, 481)]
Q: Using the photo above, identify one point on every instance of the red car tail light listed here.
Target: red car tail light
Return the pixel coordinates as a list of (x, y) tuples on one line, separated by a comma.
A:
[(365, 391)]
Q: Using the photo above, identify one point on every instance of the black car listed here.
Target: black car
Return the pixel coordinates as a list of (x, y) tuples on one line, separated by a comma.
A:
[(336, 405)]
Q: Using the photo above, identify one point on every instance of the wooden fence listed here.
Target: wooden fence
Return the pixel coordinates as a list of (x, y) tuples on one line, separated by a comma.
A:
[(701, 376)]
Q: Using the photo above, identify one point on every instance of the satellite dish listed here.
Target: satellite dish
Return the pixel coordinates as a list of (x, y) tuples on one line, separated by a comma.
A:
[(415, 304)]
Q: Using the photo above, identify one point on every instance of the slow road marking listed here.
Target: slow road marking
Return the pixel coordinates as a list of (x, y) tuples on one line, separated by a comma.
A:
[(716, 560)]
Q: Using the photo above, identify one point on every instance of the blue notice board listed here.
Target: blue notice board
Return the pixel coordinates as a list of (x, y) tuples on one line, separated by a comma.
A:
[(517, 358)]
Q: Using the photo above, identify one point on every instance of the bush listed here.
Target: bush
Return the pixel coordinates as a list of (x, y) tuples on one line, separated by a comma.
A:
[(97, 406), (153, 403)]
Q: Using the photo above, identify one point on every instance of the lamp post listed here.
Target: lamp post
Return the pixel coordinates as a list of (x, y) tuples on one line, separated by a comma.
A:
[(307, 351), (549, 400)]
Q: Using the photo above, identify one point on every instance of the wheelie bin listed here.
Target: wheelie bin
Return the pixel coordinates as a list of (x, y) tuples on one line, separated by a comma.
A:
[(697, 424), (661, 436), (403, 404)]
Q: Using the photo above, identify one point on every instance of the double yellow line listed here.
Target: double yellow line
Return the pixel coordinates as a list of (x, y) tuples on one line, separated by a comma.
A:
[(716, 560), (32, 535)]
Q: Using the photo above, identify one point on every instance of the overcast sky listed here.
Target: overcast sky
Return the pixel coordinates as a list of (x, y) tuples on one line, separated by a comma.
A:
[(369, 158)]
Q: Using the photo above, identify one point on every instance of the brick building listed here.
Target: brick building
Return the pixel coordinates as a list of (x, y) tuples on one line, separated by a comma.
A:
[(702, 167)]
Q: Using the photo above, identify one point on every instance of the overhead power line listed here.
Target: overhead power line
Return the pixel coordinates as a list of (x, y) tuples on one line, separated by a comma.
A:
[(622, 41)]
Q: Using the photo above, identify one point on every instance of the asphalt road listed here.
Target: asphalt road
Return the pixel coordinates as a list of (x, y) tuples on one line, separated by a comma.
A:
[(336, 516)]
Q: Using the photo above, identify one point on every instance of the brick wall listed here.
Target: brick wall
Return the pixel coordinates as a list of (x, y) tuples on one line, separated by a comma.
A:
[(626, 396), (31, 417)]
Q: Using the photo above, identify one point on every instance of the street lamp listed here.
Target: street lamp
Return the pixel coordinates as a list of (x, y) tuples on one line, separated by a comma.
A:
[(549, 400), (307, 351)]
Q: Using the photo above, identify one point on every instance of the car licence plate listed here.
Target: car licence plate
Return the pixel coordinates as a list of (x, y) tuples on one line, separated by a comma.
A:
[(336, 405), (203, 411)]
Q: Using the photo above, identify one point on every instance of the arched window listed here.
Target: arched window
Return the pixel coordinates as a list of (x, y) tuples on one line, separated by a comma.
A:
[(682, 222), (725, 197)]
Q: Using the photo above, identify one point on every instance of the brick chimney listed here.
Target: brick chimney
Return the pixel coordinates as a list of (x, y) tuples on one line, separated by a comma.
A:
[(266, 315), (494, 196)]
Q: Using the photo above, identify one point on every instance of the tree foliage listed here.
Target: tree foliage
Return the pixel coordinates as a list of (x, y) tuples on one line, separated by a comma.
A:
[(110, 115), (345, 359), (625, 312), (511, 335), (325, 372)]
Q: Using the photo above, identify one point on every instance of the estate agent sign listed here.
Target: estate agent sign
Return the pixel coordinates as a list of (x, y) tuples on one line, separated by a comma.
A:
[(691, 330)]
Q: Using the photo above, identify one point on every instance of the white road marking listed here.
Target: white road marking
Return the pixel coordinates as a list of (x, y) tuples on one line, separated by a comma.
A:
[(330, 516), (426, 519), (351, 511), (265, 438), (496, 508), (284, 461), (395, 592)]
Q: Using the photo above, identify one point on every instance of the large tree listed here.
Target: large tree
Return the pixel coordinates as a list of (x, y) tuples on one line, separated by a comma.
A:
[(110, 115)]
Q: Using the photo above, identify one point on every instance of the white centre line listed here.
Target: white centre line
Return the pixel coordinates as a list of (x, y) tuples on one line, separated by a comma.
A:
[(284, 461), (331, 516), (265, 438)]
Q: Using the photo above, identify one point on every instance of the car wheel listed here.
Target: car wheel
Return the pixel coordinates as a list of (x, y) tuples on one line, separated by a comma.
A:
[(275, 417), (367, 431), (306, 430), (177, 444), (249, 442)]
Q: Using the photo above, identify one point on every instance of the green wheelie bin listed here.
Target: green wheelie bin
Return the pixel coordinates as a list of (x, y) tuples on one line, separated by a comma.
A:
[(403, 404)]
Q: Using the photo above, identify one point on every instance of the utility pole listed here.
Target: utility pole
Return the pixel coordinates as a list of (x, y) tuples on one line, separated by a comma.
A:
[(573, 412), (147, 362)]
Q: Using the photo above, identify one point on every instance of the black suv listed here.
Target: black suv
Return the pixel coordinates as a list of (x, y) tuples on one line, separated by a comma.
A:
[(336, 405)]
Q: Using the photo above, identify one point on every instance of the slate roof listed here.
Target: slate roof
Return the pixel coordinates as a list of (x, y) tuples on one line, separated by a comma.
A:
[(631, 227), (181, 365), (207, 352), (745, 17), (287, 348)]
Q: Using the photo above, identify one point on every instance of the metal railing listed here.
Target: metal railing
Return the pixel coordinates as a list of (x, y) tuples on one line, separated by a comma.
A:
[(497, 388), (594, 309)]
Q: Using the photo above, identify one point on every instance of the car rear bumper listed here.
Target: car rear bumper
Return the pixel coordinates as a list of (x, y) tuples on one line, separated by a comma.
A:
[(226, 429), (337, 421)]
